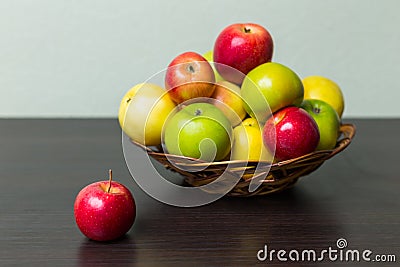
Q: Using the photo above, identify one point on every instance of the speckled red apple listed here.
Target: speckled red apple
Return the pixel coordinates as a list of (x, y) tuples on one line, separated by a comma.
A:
[(295, 131), (242, 46), (104, 210), (189, 75)]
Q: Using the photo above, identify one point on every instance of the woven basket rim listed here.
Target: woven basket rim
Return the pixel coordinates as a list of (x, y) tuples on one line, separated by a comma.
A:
[(347, 131), (276, 176)]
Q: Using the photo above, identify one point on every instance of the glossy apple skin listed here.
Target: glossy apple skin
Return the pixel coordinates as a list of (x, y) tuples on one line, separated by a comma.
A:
[(143, 111), (295, 131), (248, 142), (102, 215), (209, 55), (322, 88), (186, 130), (189, 75), (327, 119), (229, 101), (242, 46), (270, 87)]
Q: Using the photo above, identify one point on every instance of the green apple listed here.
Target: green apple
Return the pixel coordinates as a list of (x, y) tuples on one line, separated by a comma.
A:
[(327, 119), (209, 55), (270, 84), (198, 130)]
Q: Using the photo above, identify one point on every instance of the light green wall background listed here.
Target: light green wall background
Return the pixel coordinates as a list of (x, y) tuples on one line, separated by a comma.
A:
[(78, 58)]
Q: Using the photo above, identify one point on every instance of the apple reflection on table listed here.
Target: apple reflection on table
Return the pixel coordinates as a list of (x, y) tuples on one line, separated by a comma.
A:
[(229, 229)]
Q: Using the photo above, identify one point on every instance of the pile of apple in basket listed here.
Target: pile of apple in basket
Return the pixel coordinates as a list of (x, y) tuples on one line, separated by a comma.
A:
[(234, 103)]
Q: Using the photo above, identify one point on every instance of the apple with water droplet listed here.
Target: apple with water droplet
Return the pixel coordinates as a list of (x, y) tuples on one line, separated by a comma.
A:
[(104, 210)]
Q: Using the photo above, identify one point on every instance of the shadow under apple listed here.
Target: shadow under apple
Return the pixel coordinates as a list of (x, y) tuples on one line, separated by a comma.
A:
[(111, 253)]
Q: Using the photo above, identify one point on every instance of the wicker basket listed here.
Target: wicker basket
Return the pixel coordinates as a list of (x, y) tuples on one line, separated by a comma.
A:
[(277, 177)]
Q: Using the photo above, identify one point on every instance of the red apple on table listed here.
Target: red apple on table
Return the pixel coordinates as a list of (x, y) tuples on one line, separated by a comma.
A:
[(104, 210), (188, 76), (294, 131), (242, 46)]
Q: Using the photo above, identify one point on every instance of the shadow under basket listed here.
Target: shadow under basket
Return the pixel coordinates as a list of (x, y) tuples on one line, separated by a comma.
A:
[(274, 177)]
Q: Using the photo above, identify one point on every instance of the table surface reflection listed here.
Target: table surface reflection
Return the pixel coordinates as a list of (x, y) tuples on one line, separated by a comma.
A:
[(45, 162)]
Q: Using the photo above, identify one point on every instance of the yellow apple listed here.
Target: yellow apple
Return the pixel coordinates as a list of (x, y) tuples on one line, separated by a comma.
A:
[(248, 142), (143, 111), (322, 88), (209, 55), (229, 101)]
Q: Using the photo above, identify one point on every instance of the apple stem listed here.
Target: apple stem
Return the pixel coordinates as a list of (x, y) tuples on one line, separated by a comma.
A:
[(246, 30), (109, 180), (197, 112), (191, 69), (317, 110)]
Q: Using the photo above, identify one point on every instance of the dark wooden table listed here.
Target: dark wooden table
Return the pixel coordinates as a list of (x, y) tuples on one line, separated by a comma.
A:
[(44, 164)]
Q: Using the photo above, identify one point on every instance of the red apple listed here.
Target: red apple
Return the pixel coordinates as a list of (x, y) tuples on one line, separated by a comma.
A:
[(242, 46), (188, 76), (104, 210), (295, 132)]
